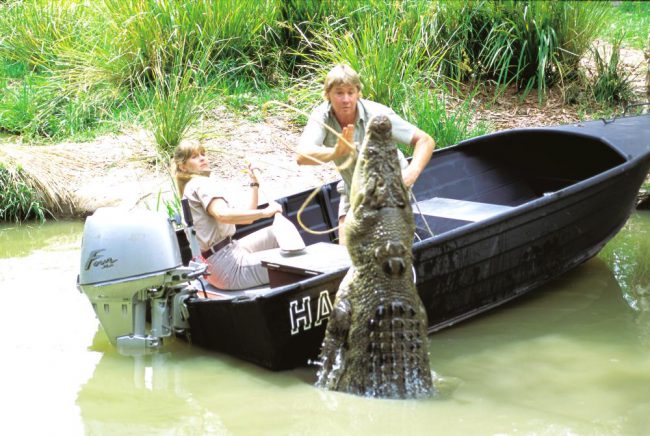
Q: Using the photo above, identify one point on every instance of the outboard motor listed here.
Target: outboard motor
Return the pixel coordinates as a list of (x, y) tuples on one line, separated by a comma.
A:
[(131, 271)]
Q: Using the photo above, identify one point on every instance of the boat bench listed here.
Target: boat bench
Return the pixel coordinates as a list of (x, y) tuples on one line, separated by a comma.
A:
[(320, 258), (286, 268), (462, 210)]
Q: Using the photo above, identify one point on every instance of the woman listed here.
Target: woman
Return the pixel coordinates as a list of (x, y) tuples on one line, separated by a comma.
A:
[(230, 262)]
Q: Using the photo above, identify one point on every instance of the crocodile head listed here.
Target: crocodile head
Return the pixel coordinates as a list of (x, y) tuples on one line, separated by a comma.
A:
[(377, 182)]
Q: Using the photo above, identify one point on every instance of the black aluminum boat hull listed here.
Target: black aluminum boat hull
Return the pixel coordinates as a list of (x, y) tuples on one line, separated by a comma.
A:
[(559, 195)]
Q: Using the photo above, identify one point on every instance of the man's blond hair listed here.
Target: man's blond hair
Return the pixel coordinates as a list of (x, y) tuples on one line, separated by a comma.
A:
[(341, 74)]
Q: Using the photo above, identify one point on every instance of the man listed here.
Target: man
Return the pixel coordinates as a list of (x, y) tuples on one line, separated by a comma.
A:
[(345, 112)]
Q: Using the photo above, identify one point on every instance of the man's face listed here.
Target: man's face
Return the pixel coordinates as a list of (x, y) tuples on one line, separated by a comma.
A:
[(344, 100)]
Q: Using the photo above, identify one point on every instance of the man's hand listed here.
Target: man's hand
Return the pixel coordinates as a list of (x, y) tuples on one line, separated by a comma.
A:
[(343, 148), (410, 175), (423, 146)]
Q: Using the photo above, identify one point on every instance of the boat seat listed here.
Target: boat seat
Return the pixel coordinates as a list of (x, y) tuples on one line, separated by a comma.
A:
[(459, 209)]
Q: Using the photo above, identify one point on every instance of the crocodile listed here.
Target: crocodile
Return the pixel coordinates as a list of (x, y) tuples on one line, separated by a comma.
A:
[(375, 342)]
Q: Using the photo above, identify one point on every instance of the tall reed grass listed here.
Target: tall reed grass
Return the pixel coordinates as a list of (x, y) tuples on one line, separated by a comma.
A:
[(91, 59), (237, 31), (41, 32), (65, 88), (387, 48), (300, 21)]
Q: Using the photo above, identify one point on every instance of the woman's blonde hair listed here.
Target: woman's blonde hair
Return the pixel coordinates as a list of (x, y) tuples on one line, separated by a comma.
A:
[(341, 74), (183, 152)]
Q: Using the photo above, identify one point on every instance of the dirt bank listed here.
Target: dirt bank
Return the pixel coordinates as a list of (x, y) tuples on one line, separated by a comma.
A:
[(123, 170)]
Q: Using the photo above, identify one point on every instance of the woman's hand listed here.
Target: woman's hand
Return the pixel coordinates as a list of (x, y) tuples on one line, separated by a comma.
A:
[(250, 169), (272, 209)]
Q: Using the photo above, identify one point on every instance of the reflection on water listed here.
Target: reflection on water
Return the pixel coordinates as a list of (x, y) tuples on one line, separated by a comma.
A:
[(143, 395), (17, 240), (628, 255), (571, 358)]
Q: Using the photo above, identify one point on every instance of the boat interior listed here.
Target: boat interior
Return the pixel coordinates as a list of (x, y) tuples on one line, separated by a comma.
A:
[(478, 179), (492, 174)]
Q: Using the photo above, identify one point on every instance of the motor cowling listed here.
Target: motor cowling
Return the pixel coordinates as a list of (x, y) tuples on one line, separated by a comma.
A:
[(121, 245), (130, 270)]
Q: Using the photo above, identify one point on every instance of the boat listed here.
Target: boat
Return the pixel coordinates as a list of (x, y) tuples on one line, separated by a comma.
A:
[(497, 216)]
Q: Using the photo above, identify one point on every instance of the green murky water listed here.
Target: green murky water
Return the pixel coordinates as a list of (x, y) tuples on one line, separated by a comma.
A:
[(571, 359)]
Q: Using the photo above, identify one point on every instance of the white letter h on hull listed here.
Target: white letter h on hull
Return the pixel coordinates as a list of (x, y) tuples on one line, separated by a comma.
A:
[(300, 315)]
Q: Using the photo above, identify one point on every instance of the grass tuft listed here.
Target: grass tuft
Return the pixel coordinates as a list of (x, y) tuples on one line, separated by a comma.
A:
[(611, 84), (18, 200), (178, 93)]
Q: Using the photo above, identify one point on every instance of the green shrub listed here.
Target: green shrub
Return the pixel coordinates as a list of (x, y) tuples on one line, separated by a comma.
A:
[(532, 44), (386, 47)]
